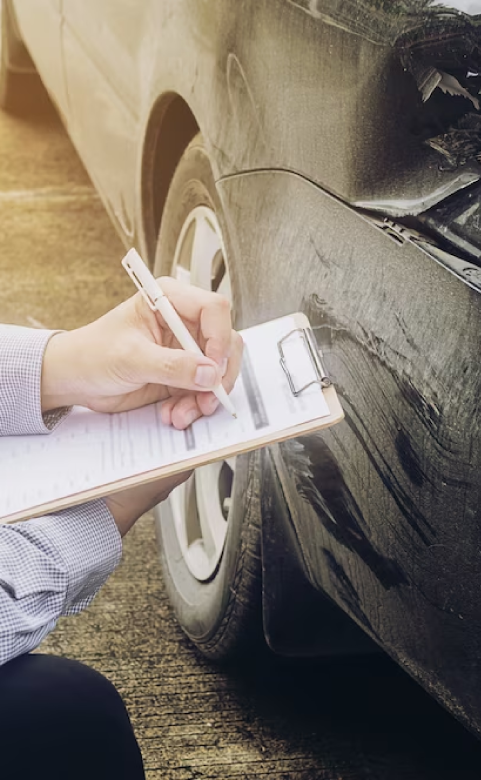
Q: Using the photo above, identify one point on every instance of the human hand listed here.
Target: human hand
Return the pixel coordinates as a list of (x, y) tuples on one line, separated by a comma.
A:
[(129, 358), (128, 505)]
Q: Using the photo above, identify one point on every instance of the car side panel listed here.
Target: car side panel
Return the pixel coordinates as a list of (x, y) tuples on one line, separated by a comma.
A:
[(275, 86), (386, 504), (272, 85), (104, 49), (39, 22)]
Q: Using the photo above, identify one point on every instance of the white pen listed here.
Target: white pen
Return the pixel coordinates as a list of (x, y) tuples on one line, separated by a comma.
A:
[(156, 299)]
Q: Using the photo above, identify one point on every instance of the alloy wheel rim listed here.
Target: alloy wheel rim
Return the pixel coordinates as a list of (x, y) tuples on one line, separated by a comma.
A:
[(200, 507)]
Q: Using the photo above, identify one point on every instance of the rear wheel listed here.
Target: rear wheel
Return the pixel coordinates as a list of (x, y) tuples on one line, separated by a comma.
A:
[(209, 528)]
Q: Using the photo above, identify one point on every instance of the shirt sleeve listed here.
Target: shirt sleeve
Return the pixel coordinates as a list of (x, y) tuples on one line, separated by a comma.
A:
[(53, 565), (49, 567), (21, 356)]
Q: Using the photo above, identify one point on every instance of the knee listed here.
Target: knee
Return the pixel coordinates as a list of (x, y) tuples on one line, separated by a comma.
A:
[(62, 704), (62, 696)]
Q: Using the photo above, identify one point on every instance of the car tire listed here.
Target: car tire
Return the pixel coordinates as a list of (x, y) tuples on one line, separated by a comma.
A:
[(20, 89), (221, 612)]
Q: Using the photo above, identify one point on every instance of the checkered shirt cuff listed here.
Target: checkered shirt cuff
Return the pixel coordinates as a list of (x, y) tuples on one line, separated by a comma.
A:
[(21, 357)]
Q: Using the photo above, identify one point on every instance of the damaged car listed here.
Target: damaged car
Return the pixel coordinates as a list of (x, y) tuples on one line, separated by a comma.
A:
[(321, 156)]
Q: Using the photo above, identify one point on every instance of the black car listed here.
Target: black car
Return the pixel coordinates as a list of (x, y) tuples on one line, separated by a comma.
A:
[(322, 156)]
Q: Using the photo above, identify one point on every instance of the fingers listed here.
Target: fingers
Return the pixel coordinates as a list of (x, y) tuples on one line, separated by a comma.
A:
[(182, 410), (208, 317), (233, 366), (209, 312), (175, 368)]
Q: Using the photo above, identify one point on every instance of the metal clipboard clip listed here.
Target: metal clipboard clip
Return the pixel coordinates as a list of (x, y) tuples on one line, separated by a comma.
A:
[(320, 375)]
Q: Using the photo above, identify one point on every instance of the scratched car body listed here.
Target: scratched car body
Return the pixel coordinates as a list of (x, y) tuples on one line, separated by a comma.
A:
[(338, 145)]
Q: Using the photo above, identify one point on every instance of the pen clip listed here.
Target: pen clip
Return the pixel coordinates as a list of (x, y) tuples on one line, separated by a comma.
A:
[(142, 278)]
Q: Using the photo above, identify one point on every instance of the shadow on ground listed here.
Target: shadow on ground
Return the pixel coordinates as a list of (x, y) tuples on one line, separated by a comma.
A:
[(343, 708)]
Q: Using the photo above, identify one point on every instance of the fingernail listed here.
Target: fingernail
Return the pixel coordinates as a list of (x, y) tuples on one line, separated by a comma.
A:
[(223, 366), (206, 376)]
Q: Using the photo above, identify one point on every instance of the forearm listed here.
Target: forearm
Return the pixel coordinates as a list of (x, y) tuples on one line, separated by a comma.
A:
[(66, 362), (49, 567)]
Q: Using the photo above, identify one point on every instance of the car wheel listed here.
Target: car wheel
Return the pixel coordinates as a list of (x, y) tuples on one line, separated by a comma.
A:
[(20, 90), (209, 528)]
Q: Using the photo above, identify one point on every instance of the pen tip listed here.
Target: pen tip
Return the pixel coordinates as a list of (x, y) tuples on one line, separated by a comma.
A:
[(234, 414)]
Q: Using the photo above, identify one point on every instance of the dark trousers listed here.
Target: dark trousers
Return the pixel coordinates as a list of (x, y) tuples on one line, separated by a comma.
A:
[(60, 720)]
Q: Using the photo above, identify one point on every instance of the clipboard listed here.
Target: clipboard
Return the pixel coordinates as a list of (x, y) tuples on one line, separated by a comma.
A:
[(282, 369)]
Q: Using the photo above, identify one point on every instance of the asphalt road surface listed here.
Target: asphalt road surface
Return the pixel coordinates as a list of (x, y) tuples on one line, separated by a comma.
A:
[(360, 719)]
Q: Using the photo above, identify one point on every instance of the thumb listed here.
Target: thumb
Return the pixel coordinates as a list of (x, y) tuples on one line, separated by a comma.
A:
[(177, 368)]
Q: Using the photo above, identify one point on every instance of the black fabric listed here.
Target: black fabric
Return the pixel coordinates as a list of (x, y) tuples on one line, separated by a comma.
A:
[(61, 720)]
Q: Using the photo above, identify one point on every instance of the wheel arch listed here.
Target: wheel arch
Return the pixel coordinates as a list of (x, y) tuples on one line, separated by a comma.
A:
[(170, 128)]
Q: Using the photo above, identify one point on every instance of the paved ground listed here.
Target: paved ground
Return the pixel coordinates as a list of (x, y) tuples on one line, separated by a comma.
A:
[(350, 720)]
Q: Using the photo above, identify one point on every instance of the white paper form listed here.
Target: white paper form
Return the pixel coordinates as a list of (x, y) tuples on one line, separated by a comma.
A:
[(90, 450)]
